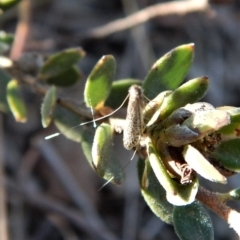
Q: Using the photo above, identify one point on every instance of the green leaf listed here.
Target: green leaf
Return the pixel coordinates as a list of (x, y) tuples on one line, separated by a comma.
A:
[(228, 154), (201, 165), (6, 37), (153, 193), (178, 135), (177, 194), (192, 122), (153, 105), (102, 148), (192, 222), (206, 122), (16, 101), (174, 133), (105, 161), (5, 41), (169, 71), (48, 104), (4, 79), (61, 62), (119, 91), (65, 79), (99, 82), (67, 122), (189, 92), (6, 4)]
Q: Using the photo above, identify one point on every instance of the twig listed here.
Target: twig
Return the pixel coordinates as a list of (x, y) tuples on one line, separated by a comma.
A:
[(214, 202), (157, 10), (3, 211), (23, 28)]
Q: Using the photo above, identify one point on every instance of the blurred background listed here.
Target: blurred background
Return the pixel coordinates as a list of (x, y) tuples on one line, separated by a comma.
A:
[(50, 190)]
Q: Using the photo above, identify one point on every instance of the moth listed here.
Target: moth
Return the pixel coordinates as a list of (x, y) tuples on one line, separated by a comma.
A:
[(134, 126)]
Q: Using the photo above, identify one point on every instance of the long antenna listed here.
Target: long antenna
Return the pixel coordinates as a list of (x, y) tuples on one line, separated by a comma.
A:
[(85, 123), (105, 184)]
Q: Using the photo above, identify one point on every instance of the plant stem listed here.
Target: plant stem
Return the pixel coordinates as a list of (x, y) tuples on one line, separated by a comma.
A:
[(214, 202)]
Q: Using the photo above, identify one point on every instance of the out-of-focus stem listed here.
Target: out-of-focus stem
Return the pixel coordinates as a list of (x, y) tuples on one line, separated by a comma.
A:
[(3, 210), (22, 30)]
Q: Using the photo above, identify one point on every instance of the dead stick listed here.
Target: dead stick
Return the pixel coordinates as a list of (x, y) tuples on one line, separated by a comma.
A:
[(3, 210), (157, 10)]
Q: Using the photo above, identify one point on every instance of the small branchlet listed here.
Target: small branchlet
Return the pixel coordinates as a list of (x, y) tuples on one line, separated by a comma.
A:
[(176, 136)]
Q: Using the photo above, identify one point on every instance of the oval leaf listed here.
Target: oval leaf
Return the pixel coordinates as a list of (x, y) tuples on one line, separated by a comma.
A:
[(5, 41), (178, 135), (201, 165), (6, 4), (65, 79), (153, 106), (169, 71), (177, 194), (99, 82), (49, 102), (60, 62), (102, 148), (5, 37), (119, 91), (228, 154), (160, 170), (192, 222), (16, 102), (105, 161), (189, 92), (67, 121), (4, 79), (206, 122), (153, 193)]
